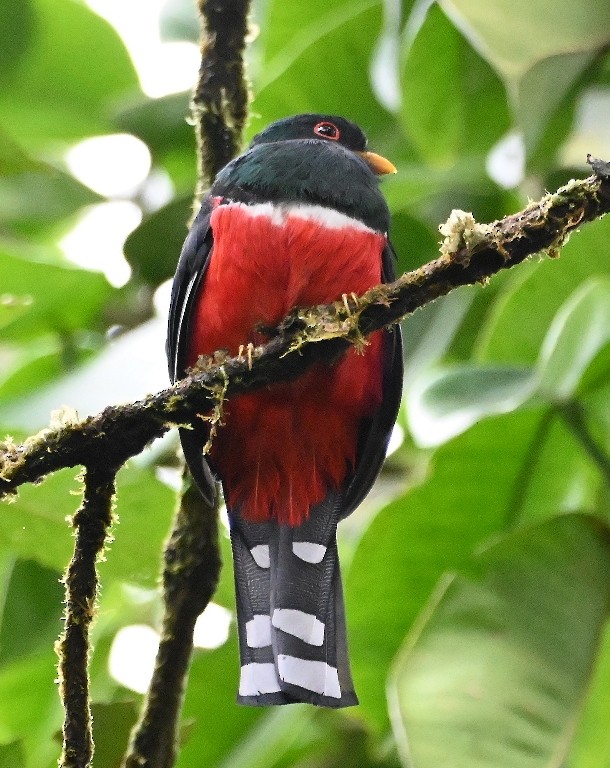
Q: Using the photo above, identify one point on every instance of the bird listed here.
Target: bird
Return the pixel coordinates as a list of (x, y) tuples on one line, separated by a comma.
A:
[(297, 220)]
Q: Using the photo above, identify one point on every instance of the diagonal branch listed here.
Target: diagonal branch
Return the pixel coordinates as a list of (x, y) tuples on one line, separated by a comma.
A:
[(471, 253)]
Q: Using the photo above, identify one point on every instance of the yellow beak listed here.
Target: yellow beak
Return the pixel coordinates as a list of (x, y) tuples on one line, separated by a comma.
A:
[(379, 164)]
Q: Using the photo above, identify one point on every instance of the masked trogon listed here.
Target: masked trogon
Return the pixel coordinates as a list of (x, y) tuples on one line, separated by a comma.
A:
[(296, 220)]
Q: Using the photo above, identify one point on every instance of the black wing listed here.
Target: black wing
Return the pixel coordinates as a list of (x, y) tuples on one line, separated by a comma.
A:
[(375, 433), (191, 268), (190, 271)]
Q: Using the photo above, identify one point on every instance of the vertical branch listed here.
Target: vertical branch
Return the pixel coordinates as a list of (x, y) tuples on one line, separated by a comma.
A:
[(192, 567), (91, 522), (220, 99), (192, 557)]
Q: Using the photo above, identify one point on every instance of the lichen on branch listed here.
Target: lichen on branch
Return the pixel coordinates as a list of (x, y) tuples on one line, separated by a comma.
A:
[(190, 576), (305, 336), (220, 101), (91, 523)]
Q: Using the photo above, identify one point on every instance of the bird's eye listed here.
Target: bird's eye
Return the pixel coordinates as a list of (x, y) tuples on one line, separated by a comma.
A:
[(327, 131)]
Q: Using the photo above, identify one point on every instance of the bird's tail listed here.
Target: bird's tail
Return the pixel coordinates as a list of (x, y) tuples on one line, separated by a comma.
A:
[(290, 614)]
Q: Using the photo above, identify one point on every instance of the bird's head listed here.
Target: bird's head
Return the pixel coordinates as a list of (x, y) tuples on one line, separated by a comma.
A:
[(324, 128)]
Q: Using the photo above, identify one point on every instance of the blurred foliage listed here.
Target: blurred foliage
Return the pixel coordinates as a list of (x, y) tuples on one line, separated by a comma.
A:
[(478, 571)]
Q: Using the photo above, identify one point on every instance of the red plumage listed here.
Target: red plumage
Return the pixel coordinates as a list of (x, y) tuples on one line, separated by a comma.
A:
[(296, 220), (281, 449)]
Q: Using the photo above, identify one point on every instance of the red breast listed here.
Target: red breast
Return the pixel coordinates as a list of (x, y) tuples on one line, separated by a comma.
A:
[(282, 448)]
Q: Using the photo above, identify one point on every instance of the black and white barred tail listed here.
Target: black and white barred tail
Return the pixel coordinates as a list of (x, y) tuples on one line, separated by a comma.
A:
[(290, 615)]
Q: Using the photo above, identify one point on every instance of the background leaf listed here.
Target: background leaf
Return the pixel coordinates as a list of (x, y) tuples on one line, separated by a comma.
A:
[(448, 402), (481, 107), (529, 299), (59, 299), (456, 116), (467, 497), (526, 632), (39, 515), (151, 248), (294, 50), (32, 611), (580, 330), (55, 92), (565, 30), (11, 755)]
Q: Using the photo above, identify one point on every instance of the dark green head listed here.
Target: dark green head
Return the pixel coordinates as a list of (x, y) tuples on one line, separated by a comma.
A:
[(311, 158), (314, 127)]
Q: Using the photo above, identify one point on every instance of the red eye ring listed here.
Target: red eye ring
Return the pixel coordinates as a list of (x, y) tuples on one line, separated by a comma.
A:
[(326, 130)]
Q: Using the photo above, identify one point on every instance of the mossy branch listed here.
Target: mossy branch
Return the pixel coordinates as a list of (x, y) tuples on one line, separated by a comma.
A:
[(192, 556), (220, 100), (190, 576), (91, 523), (471, 254)]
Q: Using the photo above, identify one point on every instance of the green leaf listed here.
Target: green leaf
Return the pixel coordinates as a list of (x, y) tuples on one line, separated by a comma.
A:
[(140, 357), (532, 295), (152, 249), (558, 476), (579, 331), (301, 40), (12, 157), (588, 121), (144, 508), (434, 116), (414, 242), (39, 515), (597, 376), (59, 299), (11, 755), (273, 738), (497, 670), (37, 198), (38, 364), (467, 497), (11, 308), (303, 736), (56, 93), (286, 31), (32, 611), (543, 89), (179, 21), (225, 591), (451, 96), (516, 34), (539, 49), (162, 124), (17, 28), (445, 403), (463, 347), (430, 193), (428, 333), (30, 708), (591, 747), (112, 724)]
